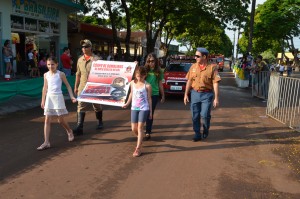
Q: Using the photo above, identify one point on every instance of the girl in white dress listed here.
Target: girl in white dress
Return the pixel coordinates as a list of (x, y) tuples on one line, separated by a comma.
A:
[(53, 101), (141, 106)]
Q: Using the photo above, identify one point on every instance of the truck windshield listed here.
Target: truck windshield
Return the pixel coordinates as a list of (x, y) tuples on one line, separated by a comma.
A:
[(220, 59), (180, 67)]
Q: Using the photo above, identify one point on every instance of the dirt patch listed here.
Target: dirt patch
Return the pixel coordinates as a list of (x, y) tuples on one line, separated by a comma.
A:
[(237, 188), (289, 150)]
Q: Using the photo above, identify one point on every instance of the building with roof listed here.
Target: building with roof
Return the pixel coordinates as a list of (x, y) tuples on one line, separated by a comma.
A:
[(34, 24)]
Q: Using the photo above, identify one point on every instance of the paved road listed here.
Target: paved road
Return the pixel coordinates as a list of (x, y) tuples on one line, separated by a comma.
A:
[(240, 159)]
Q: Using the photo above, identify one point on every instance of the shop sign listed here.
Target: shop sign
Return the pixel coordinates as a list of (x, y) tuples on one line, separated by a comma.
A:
[(34, 9)]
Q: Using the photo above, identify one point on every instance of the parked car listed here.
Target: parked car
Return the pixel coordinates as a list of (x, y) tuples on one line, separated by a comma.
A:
[(174, 81), (220, 62)]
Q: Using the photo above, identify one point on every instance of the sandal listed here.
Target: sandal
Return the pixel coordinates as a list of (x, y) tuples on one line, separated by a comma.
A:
[(137, 152), (43, 146), (71, 136)]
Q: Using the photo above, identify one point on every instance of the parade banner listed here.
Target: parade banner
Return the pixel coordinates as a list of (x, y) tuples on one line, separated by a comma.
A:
[(108, 83)]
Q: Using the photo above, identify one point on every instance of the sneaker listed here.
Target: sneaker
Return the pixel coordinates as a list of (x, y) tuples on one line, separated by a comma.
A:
[(148, 136)]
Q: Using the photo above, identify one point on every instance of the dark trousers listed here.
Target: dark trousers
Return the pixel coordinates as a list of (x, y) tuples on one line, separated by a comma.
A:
[(149, 122)]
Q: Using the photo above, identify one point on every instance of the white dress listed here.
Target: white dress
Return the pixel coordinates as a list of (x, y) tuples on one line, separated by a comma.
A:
[(55, 103)]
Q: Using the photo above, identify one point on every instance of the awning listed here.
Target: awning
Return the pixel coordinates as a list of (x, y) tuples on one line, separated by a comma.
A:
[(88, 28), (70, 5), (289, 55)]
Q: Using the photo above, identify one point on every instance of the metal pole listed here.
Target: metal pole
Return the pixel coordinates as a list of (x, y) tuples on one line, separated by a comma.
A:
[(251, 26), (233, 61)]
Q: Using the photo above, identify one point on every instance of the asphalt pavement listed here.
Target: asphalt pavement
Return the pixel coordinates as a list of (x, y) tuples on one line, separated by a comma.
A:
[(247, 154)]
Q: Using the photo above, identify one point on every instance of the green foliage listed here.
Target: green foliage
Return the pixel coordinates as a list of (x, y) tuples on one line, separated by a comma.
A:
[(279, 18), (275, 21), (94, 20), (269, 55), (193, 22), (209, 32)]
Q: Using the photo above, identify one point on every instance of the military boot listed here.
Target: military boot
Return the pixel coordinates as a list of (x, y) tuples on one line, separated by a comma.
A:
[(80, 120), (99, 118)]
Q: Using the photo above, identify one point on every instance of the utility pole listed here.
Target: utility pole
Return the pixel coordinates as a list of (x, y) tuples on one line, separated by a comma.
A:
[(251, 26), (237, 43), (233, 45)]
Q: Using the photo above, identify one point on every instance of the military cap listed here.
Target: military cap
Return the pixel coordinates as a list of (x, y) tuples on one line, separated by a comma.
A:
[(202, 50)]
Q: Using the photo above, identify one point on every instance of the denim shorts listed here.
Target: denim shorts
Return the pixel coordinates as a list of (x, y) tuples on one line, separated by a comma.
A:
[(7, 59), (139, 116)]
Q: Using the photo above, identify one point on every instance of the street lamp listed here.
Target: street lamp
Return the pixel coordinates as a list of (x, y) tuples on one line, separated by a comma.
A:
[(234, 29)]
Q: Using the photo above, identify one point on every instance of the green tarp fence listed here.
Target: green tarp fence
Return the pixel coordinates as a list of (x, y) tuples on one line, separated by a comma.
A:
[(30, 88)]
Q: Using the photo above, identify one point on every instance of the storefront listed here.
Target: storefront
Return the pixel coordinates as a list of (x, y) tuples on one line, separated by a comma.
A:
[(101, 38), (40, 25)]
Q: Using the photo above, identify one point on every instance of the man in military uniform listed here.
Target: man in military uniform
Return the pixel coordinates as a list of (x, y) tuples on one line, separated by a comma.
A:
[(203, 82), (84, 64)]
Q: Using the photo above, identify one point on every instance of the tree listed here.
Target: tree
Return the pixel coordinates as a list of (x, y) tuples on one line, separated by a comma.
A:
[(204, 30), (152, 16), (251, 25), (279, 21), (161, 16), (116, 11)]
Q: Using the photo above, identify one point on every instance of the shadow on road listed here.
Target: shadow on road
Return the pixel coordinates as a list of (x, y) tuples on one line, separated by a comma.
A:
[(22, 132)]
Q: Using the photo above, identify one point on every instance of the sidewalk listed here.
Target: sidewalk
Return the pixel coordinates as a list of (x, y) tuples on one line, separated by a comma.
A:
[(19, 103)]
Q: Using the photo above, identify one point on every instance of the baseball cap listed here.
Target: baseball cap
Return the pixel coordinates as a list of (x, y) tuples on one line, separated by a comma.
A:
[(202, 50), (85, 42)]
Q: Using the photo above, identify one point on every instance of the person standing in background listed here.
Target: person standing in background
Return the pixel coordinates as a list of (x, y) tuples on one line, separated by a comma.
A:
[(154, 78), (32, 59), (261, 65), (66, 61), (289, 67), (43, 66), (280, 67), (110, 56), (7, 56)]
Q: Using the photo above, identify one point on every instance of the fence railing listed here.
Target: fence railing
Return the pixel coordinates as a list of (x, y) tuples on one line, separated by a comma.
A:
[(284, 100), (260, 84)]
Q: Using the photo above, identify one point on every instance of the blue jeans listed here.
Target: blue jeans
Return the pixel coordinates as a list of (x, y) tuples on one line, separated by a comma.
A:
[(67, 71), (289, 72), (201, 106), (149, 122)]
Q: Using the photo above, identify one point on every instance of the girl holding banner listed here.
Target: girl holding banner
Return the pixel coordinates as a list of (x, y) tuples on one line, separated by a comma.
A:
[(141, 106)]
